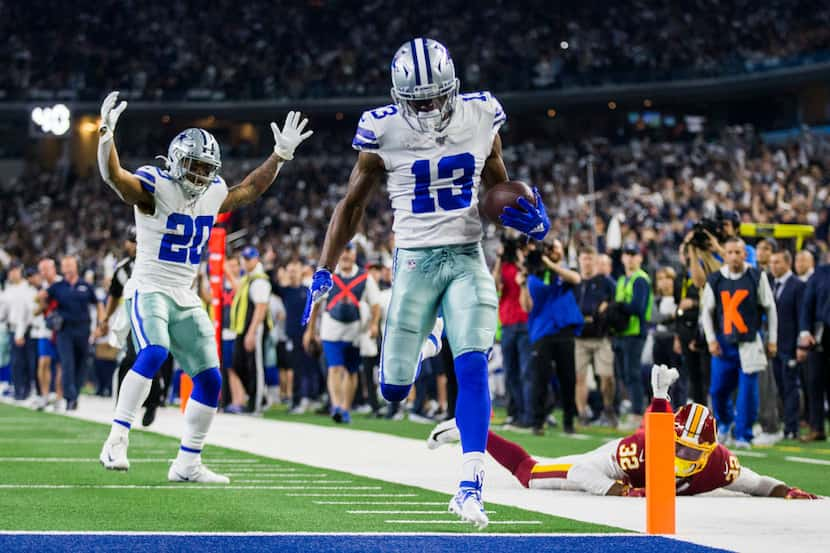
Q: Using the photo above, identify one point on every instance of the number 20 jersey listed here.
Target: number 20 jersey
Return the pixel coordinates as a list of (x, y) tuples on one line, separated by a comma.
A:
[(433, 179), (170, 241)]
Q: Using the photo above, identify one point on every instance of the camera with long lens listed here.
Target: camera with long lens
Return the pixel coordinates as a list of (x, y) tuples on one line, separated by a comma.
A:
[(700, 239)]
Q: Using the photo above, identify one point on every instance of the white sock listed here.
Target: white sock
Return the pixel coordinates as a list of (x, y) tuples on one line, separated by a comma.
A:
[(133, 392), (472, 466), (197, 420)]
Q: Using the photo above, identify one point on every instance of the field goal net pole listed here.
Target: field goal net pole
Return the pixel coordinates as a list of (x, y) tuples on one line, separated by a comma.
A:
[(660, 483)]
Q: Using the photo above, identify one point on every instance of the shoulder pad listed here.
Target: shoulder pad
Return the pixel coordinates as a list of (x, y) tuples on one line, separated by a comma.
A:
[(371, 126), (487, 103)]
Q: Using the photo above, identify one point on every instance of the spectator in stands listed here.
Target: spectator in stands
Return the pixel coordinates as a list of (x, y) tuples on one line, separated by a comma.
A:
[(515, 345), (593, 346), (764, 249), (554, 320)]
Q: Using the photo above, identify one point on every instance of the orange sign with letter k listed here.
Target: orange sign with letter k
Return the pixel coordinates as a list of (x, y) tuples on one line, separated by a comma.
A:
[(731, 315)]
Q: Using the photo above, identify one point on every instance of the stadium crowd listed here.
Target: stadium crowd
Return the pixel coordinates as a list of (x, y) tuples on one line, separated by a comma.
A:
[(178, 50), (649, 195)]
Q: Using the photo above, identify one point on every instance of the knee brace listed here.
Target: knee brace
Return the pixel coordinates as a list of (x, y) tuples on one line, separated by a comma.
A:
[(206, 387), (149, 361)]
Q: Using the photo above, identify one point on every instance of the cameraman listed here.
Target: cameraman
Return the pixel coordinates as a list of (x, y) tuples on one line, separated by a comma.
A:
[(553, 322), (515, 344), (694, 356)]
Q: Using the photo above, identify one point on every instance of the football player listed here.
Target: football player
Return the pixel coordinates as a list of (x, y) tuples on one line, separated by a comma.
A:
[(175, 208), (434, 147), (701, 464)]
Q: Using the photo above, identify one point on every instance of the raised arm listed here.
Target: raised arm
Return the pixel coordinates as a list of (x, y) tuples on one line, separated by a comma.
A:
[(261, 178), (125, 184), (366, 174)]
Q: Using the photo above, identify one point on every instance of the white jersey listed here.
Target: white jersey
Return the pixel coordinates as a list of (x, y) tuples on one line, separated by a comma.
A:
[(171, 240), (433, 180)]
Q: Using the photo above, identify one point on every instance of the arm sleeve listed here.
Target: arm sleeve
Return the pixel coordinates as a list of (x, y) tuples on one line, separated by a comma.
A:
[(808, 306), (752, 483), (260, 290), (707, 312), (371, 294), (639, 299), (767, 301), (596, 471), (117, 285)]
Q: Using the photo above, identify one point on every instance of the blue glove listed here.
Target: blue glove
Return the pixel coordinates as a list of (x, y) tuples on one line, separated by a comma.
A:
[(320, 285), (533, 221)]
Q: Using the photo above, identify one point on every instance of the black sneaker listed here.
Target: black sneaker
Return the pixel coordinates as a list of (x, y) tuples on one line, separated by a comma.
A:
[(149, 416), (72, 405)]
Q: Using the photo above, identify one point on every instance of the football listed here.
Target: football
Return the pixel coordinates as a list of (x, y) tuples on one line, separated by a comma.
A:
[(504, 194)]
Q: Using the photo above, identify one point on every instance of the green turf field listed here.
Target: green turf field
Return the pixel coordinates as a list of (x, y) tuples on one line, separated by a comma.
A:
[(804, 465), (50, 479)]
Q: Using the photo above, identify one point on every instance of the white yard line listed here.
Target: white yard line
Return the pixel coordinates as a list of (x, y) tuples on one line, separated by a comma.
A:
[(744, 523), (405, 512), (807, 460), (444, 521), (175, 487), (351, 495), (757, 454), (322, 480), (379, 502)]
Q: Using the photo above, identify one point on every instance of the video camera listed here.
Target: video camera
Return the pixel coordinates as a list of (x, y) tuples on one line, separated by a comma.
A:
[(700, 238)]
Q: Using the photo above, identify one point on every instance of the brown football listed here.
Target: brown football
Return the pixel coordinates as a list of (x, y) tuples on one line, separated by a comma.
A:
[(504, 194)]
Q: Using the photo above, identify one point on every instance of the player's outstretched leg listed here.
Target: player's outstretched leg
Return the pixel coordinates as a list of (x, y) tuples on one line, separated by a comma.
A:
[(198, 416), (133, 392), (472, 417)]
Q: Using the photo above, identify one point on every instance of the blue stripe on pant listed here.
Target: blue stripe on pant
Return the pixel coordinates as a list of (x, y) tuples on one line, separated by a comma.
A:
[(73, 348), (727, 375)]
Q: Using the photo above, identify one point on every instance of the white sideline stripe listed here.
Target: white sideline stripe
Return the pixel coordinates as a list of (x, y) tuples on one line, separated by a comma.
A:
[(379, 502), (464, 522), (325, 534), (275, 474), (83, 460), (352, 495), (324, 481), (756, 454), (174, 487), (52, 441), (405, 513), (807, 460)]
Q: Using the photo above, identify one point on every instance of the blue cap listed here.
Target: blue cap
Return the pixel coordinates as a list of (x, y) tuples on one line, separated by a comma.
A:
[(250, 252), (631, 248)]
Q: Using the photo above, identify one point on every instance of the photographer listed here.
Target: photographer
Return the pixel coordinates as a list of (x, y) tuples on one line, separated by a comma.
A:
[(694, 356), (553, 322), (593, 346), (515, 344)]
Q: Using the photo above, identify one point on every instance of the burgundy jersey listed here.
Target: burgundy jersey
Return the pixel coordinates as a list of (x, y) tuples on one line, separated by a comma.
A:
[(721, 470)]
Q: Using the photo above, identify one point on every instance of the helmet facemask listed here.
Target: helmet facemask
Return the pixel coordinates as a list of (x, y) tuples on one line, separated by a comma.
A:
[(193, 160), (690, 458), (428, 112)]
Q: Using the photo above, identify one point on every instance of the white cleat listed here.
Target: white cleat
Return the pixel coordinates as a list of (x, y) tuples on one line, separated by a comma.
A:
[(195, 473), (114, 454), (443, 433), (467, 504)]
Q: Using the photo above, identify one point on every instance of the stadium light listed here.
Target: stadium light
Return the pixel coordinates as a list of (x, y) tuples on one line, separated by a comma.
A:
[(564, 45), (52, 120)]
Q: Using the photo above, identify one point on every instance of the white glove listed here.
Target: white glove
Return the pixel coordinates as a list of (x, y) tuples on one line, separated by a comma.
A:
[(292, 135), (110, 114), (662, 378)]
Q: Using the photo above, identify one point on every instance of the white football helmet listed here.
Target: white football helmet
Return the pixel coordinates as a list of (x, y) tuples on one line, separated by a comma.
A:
[(194, 160), (424, 85)]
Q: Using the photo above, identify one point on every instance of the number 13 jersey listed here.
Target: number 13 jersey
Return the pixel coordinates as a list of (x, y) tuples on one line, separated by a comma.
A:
[(170, 241), (433, 179)]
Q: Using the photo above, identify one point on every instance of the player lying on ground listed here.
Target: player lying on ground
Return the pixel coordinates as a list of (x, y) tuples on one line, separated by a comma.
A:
[(174, 212), (619, 467), (433, 147)]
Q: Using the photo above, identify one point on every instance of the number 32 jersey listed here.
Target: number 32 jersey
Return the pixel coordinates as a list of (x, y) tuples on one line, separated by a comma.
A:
[(433, 179), (171, 240)]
